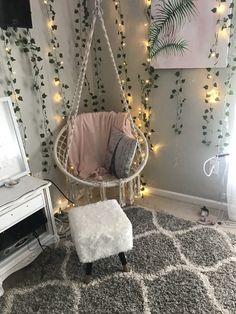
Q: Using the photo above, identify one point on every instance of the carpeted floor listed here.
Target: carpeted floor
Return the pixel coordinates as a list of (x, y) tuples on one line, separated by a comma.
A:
[(176, 267)]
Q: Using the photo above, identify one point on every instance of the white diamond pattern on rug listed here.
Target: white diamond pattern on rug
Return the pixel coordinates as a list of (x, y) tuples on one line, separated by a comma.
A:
[(179, 291), (176, 267), (168, 222), (137, 215), (153, 253), (45, 299), (204, 247), (224, 282), (113, 295)]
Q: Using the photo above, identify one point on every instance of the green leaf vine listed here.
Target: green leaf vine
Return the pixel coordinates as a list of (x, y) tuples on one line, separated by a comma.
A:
[(27, 45), (216, 93), (121, 54), (177, 95), (99, 100), (211, 97), (12, 90), (55, 58), (223, 23), (82, 27)]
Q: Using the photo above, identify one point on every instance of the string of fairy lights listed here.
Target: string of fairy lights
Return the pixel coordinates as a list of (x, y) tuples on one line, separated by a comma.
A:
[(214, 93), (142, 112)]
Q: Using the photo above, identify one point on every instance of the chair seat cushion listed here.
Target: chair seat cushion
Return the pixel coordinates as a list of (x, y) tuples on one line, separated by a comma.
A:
[(100, 230)]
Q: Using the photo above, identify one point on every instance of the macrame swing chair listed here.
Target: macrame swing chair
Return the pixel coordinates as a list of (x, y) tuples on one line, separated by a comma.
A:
[(65, 136)]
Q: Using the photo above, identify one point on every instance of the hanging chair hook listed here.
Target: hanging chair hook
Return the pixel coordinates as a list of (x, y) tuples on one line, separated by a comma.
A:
[(98, 9)]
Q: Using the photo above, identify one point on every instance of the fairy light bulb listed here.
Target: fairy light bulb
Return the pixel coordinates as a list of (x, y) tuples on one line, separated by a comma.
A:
[(56, 82), (57, 97), (146, 98), (148, 60), (145, 191), (223, 32), (213, 95), (57, 118), (155, 148), (221, 9), (50, 24)]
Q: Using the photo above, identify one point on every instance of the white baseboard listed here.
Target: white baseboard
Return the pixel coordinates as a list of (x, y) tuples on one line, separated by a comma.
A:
[(188, 198)]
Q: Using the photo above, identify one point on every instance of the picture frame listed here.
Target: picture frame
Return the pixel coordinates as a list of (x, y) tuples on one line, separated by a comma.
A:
[(190, 34), (13, 161)]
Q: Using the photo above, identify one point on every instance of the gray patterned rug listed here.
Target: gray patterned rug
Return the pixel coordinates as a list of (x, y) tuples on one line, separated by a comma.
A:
[(176, 267)]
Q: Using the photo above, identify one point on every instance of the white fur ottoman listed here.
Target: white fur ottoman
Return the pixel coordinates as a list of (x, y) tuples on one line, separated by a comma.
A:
[(100, 230)]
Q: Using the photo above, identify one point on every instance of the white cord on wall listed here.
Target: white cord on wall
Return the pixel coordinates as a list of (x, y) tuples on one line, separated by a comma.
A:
[(208, 174)]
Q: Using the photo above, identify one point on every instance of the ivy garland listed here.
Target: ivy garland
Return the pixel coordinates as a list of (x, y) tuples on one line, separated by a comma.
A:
[(82, 26), (212, 87), (99, 101), (211, 97), (146, 85), (177, 95), (121, 54), (12, 90), (27, 45), (223, 129), (56, 59), (222, 23)]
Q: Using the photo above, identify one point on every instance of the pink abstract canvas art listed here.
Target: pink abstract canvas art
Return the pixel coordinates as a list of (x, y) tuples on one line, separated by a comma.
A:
[(189, 33)]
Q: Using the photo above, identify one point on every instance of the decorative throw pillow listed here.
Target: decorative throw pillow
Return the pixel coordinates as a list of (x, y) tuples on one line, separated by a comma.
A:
[(115, 137), (120, 153)]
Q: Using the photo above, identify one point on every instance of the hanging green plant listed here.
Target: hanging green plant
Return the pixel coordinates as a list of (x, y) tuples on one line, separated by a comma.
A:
[(121, 54), (55, 58), (177, 96), (82, 23), (12, 90), (146, 86), (27, 45), (223, 23), (213, 86), (212, 96), (100, 100)]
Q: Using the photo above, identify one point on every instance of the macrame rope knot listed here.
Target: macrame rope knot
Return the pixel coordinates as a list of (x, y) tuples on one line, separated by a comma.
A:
[(98, 9)]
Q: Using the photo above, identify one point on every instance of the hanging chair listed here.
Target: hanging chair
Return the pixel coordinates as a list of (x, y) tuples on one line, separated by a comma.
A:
[(65, 136)]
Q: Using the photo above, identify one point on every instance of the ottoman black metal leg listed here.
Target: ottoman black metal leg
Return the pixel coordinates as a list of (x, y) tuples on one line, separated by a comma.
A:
[(88, 272), (123, 261)]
